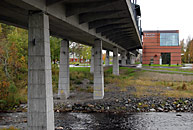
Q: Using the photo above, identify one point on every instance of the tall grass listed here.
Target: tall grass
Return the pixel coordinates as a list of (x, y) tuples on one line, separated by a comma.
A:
[(10, 128)]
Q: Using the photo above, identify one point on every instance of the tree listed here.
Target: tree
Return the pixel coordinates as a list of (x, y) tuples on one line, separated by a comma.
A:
[(182, 51), (189, 51), (55, 48), (13, 65), (86, 52), (80, 50)]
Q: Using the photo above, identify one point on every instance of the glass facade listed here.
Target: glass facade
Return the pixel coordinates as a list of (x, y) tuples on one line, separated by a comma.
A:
[(169, 39)]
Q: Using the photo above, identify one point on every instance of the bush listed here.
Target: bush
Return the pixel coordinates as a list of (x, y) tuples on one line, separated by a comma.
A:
[(10, 128), (11, 96), (55, 76)]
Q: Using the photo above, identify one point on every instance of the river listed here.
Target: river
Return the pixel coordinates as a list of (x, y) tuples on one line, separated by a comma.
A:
[(106, 121)]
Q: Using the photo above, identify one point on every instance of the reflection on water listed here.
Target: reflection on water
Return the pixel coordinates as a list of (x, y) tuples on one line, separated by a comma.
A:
[(142, 121), (106, 121), (83, 120)]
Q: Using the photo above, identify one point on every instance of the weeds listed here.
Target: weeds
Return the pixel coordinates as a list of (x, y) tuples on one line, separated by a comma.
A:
[(10, 128), (11, 96)]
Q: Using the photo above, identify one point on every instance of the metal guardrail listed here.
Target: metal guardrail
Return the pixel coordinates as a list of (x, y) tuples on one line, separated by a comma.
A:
[(137, 18)]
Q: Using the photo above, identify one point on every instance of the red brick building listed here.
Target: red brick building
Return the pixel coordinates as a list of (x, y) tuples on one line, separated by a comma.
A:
[(161, 47)]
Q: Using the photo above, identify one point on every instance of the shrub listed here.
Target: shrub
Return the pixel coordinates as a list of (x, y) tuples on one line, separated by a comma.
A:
[(11, 96), (10, 128)]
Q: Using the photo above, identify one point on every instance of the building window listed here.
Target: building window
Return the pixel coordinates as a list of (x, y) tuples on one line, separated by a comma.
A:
[(169, 39)]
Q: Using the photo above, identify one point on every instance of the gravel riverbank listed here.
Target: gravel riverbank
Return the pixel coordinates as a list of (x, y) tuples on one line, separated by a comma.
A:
[(123, 102)]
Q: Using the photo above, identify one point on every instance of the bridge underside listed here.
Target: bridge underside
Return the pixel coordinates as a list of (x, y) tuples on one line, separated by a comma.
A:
[(107, 24), (80, 21)]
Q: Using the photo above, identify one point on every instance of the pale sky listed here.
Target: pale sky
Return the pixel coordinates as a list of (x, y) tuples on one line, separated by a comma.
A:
[(168, 15)]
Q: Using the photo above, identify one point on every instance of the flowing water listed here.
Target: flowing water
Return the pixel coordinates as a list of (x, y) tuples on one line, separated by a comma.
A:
[(105, 121)]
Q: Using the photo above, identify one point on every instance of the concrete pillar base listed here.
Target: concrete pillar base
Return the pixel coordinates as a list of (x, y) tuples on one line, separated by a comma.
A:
[(98, 71), (64, 80)]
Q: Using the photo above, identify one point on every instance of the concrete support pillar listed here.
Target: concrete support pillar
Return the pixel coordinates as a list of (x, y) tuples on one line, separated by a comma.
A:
[(123, 58), (115, 61), (128, 58), (132, 59), (40, 95), (98, 71), (64, 80), (107, 58), (92, 61)]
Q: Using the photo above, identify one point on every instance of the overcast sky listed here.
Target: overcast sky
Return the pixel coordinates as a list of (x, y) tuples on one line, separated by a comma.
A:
[(168, 15)]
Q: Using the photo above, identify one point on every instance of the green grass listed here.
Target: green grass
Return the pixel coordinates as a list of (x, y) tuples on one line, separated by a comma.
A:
[(174, 69), (121, 80), (80, 69), (130, 77), (137, 63), (10, 128), (165, 65)]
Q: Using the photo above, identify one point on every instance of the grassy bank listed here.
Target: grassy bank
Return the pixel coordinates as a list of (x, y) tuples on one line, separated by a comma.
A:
[(174, 69), (135, 81), (10, 128), (164, 65)]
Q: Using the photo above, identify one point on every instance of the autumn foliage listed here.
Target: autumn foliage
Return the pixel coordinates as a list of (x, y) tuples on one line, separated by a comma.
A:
[(13, 66)]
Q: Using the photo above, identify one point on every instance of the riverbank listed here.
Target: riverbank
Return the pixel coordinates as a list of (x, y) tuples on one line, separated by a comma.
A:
[(133, 91), (125, 103)]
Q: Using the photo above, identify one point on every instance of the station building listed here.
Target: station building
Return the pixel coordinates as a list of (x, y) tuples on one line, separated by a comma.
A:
[(161, 47)]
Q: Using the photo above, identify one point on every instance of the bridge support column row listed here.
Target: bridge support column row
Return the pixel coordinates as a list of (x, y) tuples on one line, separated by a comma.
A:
[(107, 58), (123, 58), (98, 70), (115, 61), (64, 80), (128, 58), (40, 96)]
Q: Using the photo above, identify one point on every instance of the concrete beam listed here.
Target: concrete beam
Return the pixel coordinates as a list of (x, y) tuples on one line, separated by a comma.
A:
[(111, 27), (119, 34), (134, 47), (121, 39), (98, 70), (12, 21), (59, 23), (40, 96), (115, 61), (103, 22), (52, 2), (115, 30), (84, 7), (92, 16), (64, 80), (127, 42), (92, 61)]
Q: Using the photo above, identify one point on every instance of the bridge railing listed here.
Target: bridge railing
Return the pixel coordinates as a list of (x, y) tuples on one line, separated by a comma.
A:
[(137, 15)]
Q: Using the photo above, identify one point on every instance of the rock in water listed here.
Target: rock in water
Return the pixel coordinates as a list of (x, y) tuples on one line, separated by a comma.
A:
[(59, 128), (152, 110)]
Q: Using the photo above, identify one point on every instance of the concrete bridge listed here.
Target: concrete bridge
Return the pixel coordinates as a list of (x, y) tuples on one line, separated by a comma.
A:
[(112, 25)]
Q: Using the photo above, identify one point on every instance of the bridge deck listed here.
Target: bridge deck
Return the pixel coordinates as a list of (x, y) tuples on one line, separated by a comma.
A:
[(81, 21)]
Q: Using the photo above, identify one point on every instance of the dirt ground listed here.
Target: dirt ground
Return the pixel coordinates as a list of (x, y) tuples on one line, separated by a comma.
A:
[(166, 77), (140, 85)]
